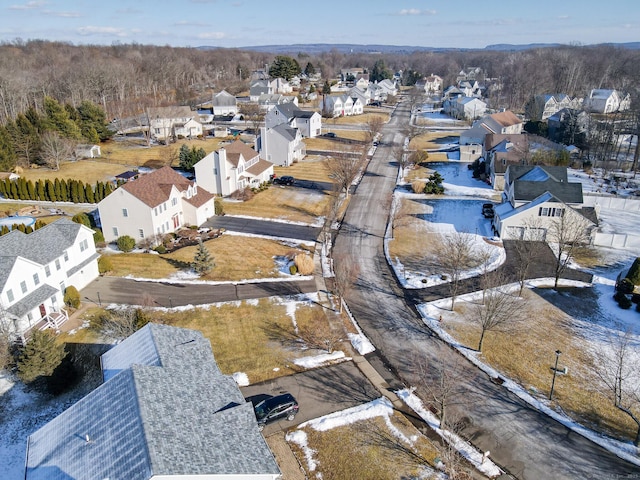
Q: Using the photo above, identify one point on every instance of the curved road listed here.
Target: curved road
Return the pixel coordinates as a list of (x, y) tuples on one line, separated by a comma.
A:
[(528, 444)]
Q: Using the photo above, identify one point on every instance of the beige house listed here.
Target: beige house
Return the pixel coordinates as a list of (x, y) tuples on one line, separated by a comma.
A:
[(156, 203), (171, 123), (231, 168)]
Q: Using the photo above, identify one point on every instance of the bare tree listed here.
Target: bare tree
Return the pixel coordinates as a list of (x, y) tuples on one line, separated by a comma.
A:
[(454, 253), (345, 275), (527, 250), (120, 324), (618, 366), (374, 126), (169, 156), (55, 149), (568, 232), (501, 312), (345, 167), (253, 114)]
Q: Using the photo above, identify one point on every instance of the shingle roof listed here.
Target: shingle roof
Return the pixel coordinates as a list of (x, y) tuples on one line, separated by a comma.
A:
[(259, 167), (200, 198), (284, 130), (237, 148), (530, 182), (42, 246), (224, 99), (165, 410), (154, 188)]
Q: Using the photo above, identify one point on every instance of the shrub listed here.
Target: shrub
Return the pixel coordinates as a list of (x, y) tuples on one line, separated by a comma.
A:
[(125, 243), (104, 264), (293, 269), (40, 356), (634, 272), (72, 297), (418, 186), (218, 206), (304, 264), (161, 249), (624, 302), (82, 218), (98, 236), (625, 286)]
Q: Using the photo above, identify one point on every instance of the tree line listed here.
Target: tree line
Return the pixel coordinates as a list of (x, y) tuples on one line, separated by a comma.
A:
[(58, 190), (50, 136)]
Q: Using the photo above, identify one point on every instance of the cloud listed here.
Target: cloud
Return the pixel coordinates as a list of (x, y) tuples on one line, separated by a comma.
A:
[(415, 11), (563, 17), (129, 11), (62, 14), (29, 5), (93, 30), (211, 35), (187, 23)]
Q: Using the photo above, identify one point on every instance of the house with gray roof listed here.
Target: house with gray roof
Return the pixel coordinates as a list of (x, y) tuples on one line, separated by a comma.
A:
[(281, 145), (535, 197), (224, 104), (35, 270), (307, 121), (164, 411)]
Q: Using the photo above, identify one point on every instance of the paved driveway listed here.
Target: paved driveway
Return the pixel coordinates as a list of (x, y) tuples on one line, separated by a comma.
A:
[(264, 227), (319, 392)]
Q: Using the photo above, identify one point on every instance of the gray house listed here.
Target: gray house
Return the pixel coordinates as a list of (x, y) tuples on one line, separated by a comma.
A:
[(164, 411)]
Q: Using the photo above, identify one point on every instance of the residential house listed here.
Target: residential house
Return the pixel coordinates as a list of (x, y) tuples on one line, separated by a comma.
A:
[(260, 87), (606, 101), (87, 151), (364, 94), (502, 150), (389, 87), (350, 75), (470, 73), (537, 196), (502, 122), (35, 270), (451, 93), (341, 105), (224, 104), (280, 85), (164, 411), (465, 108), (170, 123), (281, 145), (268, 101), (308, 122), (362, 81), (568, 126), (431, 84), (231, 168), (156, 203), (470, 88), (471, 143), (541, 107)]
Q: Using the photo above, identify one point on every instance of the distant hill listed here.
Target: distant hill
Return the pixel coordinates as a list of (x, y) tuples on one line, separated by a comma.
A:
[(317, 48)]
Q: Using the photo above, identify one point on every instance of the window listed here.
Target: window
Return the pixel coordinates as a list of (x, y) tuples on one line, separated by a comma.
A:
[(57, 264), (115, 232), (174, 200), (155, 211), (125, 212), (30, 317), (47, 270), (23, 286), (66, 256), (141, 233), (84, 245), (36, 279), (10, 296)]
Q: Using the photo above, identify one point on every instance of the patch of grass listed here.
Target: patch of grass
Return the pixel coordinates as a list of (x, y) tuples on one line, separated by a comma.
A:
[(235, 258), (527, 356), (312, 167), (427, 140), (366, 449), (356, 119), (287, 203)]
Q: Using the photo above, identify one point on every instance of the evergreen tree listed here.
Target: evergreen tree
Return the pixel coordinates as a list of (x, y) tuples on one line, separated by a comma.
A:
[(3, 187), (634, 272), (39, 190), (8, 158), (82, 219), (93, 122), (40, 356), (108, 188), (57, 119), (88, 192), (64, 190), (379, 71), (202, 261), (4, 230), (99, 192), (22, 188), (73, 191), (81, 197), (326, 88), (285, 67), (38, 224), (57, 188), (31, 190), (51, 192), (13, 191), (184, 156), (309, 69)]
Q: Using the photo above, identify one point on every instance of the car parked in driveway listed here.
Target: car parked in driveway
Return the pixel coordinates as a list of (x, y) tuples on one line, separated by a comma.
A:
[(276, 408), (487, 210), (284, 180)]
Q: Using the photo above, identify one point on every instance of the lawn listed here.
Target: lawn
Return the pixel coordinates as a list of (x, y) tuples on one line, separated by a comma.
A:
[(426, 141), (256, 261), (312, 167), (282, 203), (355, 119)]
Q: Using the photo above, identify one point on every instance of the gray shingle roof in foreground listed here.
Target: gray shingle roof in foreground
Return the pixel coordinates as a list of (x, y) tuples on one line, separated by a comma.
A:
[(165, 410)]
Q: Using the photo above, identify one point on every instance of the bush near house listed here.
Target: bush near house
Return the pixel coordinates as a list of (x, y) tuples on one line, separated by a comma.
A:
[(71, 297), (40, 356), (125, 243), (104, 265), (304, 264)]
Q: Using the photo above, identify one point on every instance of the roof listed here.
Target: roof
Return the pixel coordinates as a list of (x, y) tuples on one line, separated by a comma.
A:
[(224, 99), (155, 188), (237, 148), (41, 246), (128, 174), (506, 118), (531, 181), (200, 198), (165, 410), (259, 167), (285, 131)]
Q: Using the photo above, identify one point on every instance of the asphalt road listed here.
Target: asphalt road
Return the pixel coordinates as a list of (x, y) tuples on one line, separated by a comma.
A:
[(264, 227), (528, 444), (106, 290), (319, 392)]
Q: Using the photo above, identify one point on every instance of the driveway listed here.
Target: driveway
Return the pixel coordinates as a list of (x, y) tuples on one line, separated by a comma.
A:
[(319, 392), (264, 227)]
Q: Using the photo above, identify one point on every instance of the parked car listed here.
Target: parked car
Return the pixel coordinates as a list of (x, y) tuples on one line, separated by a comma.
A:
[(284, 180), (276, 408), (330, 135), (487, 210)]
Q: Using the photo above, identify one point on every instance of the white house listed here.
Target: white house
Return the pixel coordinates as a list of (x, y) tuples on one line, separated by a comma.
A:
[(501, 122), (308, 122), (281, 145), (231, 168), (35, 270), (537, 196), (388, 86), (606, 101), (431, 84), (170, 123), (541, 107), (224, 104), (465, 108), (156, 203), (164, 411), (342, 105), (267, 101), (260, 87)]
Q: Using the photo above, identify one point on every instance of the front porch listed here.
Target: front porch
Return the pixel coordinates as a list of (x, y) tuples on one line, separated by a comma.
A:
[(54, 319)]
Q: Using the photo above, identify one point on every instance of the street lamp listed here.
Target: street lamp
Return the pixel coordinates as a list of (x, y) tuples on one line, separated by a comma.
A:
[(555, 372)]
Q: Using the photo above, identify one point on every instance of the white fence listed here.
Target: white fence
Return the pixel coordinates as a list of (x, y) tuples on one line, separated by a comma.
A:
[(614, 203), (616, 240)]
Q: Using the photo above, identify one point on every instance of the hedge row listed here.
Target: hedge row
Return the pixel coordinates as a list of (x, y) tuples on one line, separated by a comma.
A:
[(59, 190)]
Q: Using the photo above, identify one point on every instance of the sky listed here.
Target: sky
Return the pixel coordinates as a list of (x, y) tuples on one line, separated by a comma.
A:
[(241, 23)]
